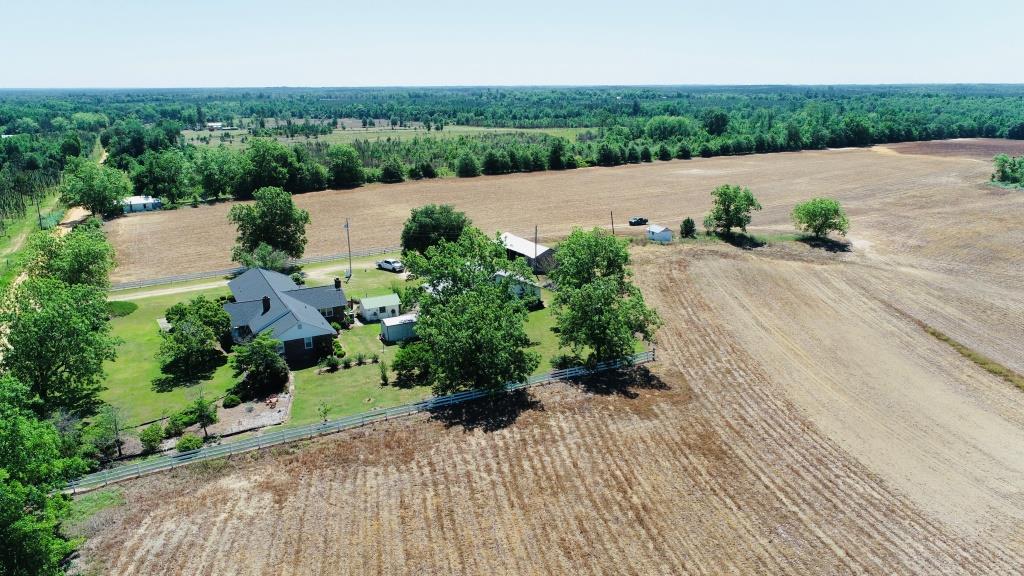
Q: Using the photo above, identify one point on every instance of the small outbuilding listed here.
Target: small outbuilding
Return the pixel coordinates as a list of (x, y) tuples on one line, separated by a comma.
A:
[(141, 204), (398, 328), (518, 286), (540, 258), (376, 308), (658, 233)]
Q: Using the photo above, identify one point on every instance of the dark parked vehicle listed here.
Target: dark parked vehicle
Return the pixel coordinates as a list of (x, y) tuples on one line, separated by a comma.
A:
[(637, 221)]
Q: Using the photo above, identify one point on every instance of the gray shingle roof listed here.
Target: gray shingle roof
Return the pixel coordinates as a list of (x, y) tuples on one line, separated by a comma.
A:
[(289, 304), (320, 296)]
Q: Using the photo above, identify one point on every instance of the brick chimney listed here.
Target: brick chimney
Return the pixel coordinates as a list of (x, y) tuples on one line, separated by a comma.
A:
[(266, 304), (337, 283)]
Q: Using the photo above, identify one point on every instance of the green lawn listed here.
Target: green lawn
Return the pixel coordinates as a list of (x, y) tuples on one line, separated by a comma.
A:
[(357, 389), (347, 391), (129, 383)]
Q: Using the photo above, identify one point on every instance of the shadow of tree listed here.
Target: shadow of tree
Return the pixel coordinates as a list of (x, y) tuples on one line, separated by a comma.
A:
[(175, 375), (827, 244), (741, 240), (621, 382), (489, 414)]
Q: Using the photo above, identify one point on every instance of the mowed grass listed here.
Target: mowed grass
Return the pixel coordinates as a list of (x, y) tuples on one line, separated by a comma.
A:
[(358, 389), (129, 382), (347, 391)]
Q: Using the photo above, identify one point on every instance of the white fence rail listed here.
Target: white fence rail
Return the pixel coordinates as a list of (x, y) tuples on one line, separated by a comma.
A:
[(228, 271), (160, 463)]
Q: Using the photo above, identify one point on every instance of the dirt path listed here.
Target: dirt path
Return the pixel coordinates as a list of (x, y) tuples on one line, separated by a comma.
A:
[(136, 294)]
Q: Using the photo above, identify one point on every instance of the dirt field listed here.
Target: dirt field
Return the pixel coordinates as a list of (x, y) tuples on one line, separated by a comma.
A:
[(798, 420), (159, 244)]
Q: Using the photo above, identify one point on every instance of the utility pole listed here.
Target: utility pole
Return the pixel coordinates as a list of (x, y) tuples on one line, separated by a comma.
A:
[(348, 240), (39, 213), (613, 221)]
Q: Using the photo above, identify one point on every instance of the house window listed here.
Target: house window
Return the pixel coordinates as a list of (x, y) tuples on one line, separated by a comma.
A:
[(327, 312), (280, 347), (308, 341), (380, 310)]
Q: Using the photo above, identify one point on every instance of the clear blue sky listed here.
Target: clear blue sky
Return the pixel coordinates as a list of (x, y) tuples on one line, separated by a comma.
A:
[(161, 43)]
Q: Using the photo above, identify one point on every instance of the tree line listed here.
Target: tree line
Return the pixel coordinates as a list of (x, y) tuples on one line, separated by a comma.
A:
[(142, 131), (53, 426)]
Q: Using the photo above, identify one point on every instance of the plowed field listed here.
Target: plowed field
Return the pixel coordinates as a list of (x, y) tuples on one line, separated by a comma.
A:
[(167, 243), (799, 420)]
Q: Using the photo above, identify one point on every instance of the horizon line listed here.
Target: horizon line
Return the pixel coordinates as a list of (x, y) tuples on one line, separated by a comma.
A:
[(442, 86)]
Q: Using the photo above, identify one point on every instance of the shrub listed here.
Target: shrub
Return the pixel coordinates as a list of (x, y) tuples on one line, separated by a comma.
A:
[(664, 153), (468, 166), (230, 401), (384, 378), (339, 350), (684, 152), (151, 437), (122, 308), (346, 363), (297, 278), (336, 326), (188, 442), (688, 229), (392, 171), (360, 359), (177, 423), (374, 358), (331, 363)]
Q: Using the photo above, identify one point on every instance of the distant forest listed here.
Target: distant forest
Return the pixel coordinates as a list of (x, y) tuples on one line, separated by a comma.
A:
[(141, 130)]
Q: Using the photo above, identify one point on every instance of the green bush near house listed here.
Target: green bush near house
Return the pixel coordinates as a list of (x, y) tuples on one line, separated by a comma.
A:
[(151, 437), (188, 442), (230, 401)]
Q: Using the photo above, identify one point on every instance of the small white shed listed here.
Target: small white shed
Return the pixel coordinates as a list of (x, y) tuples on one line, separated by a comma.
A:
[(518, 286), (141, 204), (658, 233), (398, 328), (380, 307)]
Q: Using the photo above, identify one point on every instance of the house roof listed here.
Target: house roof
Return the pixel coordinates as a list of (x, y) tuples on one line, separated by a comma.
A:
[(378, 301), (320, 296), (523, 246), (289, 305), (656, 228), (396, 320)]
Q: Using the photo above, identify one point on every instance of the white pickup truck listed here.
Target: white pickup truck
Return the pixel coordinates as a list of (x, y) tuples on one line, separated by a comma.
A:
[(392, 265)]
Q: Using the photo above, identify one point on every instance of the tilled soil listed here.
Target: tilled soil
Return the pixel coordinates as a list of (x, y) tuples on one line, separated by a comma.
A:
[(798, 420), (168, 243)]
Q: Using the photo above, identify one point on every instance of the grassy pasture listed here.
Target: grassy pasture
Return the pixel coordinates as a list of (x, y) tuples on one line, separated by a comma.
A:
[(351, 134)]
